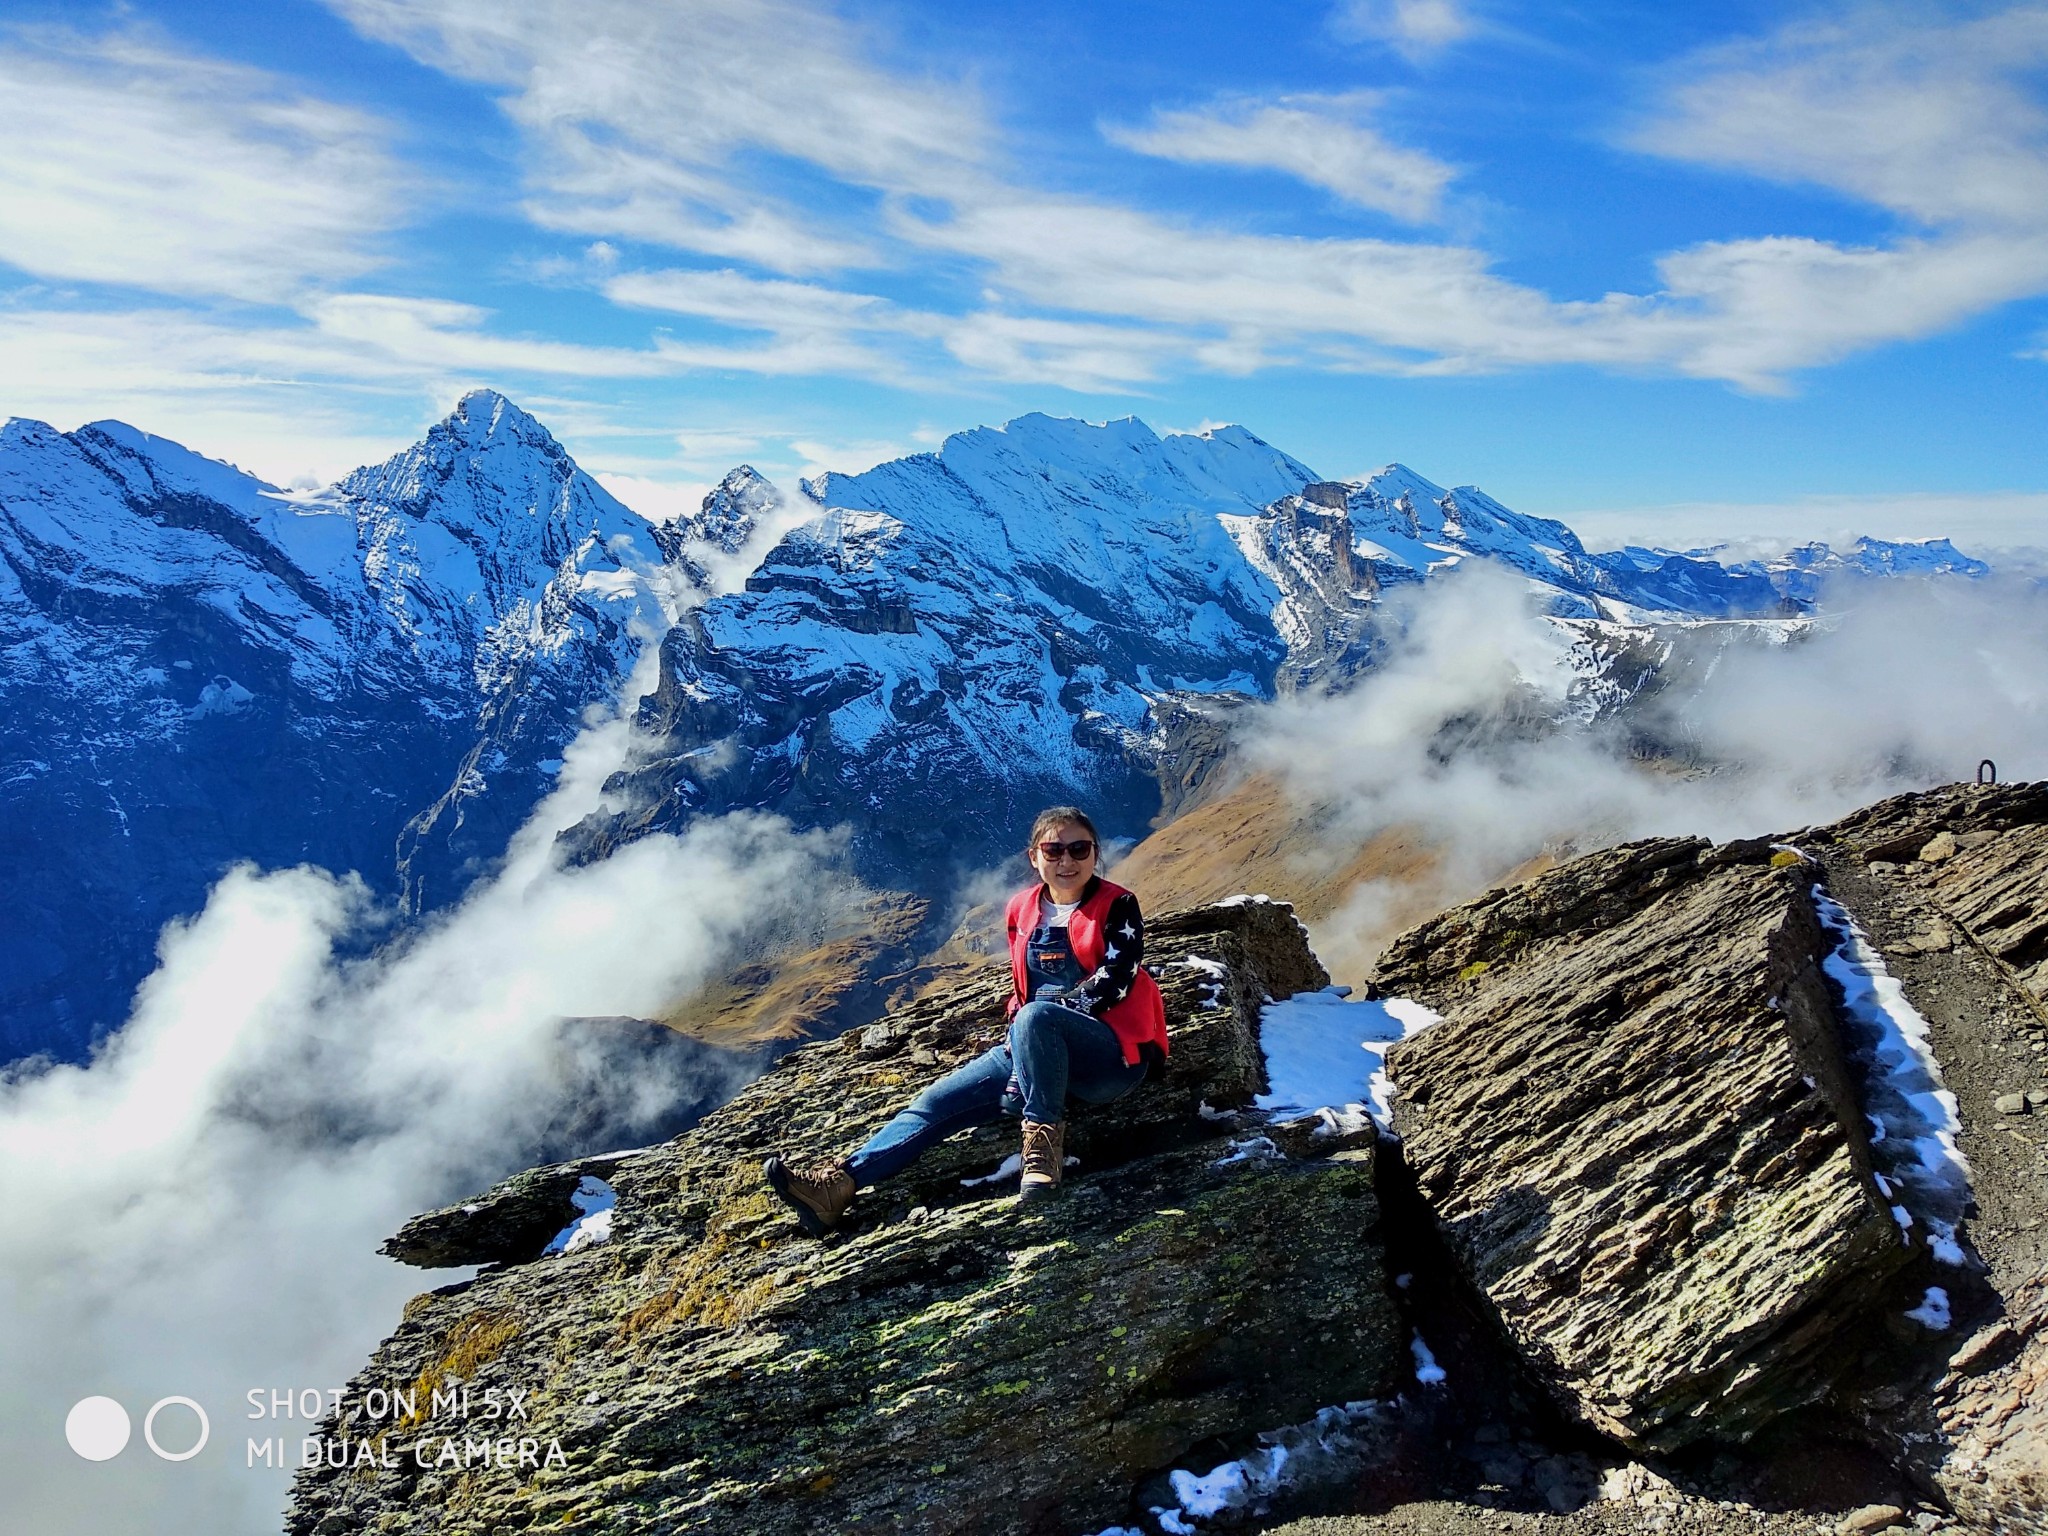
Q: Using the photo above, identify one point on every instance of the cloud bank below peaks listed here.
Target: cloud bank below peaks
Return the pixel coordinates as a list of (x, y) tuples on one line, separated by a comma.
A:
[(197, 1211), (1472, 733)]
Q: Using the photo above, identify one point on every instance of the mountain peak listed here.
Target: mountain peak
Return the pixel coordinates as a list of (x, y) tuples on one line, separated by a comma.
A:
[(484, 414), (1392, 481), (171, 465), (496, 478), (728, 517)]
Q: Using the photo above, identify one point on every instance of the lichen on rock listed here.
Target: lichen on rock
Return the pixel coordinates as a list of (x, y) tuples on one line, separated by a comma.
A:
[(1636, 1131), (957, 1361)]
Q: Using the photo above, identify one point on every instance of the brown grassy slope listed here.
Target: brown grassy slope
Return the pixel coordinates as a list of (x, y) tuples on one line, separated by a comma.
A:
[(1255, 837), (1252, 836), (806, 993)]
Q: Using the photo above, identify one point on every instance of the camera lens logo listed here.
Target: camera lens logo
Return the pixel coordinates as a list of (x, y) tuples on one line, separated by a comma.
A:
[(98, 1428)]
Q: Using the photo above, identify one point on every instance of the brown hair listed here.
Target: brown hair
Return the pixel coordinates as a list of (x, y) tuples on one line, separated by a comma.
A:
[(1051, 817)]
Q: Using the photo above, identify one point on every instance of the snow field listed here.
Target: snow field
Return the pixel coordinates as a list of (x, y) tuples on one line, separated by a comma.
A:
[(596, 1200), (1326, 1055), (1912, 1114)]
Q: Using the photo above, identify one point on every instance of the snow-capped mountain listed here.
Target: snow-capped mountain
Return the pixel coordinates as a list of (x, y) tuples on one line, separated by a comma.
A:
[(1031, 613), (202, 668), (955, 637), (381, 676), (1406, 528), (728, 519), (1801, 573)]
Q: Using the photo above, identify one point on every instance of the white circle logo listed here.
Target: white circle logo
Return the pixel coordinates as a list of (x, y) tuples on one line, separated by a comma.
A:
[(97, 1428), (149, 1429)]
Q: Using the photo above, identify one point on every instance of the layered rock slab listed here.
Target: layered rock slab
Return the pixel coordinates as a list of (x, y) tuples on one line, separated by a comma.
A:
[(956, 1362), (1952, 885), (1639, 1139)]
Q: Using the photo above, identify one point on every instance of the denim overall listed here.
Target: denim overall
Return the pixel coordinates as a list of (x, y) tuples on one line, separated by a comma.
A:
[(1067, 1052), (1051, 968)]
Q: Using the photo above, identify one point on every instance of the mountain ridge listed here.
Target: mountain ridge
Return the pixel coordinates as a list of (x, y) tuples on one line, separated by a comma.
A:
[(244, 672), (382, 675)]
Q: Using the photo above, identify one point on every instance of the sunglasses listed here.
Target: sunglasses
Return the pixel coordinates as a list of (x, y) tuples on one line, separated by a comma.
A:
[(1077, 850)]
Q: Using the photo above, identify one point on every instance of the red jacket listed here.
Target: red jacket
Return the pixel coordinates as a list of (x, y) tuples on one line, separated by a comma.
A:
[(1138, 1017)]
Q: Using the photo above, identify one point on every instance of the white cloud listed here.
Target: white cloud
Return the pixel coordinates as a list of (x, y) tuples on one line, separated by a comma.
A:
[(1752, 311), (1413, 28), (653, 121), (1902, 685), (1078, 355), (124, 160), (778, 137), (1176, 294), (1932, 119), (722, 445), (1324, 140), (823, 329), (198, 1211), (584, 184), (442, 335), (290, 399), (1355, 303), (745, 301)]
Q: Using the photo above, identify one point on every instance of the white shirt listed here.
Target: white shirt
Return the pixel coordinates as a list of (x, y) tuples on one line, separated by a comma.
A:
[(1054, 914)]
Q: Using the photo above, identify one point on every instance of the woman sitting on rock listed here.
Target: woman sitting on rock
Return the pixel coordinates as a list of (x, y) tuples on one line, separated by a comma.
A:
[(1084, 1019)]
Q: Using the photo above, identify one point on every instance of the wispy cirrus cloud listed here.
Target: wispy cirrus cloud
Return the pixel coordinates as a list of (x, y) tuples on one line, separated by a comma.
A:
[(679, 124), (1327, 141), (835, 212), (1939, 122), (687, 113), (1414, 28), (837, 326), (294, 398), (127, 160)]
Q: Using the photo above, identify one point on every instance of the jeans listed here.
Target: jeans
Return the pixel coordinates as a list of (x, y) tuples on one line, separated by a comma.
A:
[(1053, 1052)]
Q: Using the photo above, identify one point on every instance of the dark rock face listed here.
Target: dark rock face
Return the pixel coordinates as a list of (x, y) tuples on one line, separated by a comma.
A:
[(203, 669), (1635, 1129), (1638, 1129), (956, 1362), (509, 1224), (1953, 887)]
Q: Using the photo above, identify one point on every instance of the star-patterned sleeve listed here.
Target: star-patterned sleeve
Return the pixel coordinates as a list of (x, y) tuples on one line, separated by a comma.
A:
[(1123, 946)]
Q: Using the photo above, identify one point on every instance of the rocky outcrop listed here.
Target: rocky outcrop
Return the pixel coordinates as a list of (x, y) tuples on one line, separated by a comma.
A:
[(954, 1362), (1652, 1177), (1636, 1129), (1661, 1137), (510, 1223), (1953, 888)]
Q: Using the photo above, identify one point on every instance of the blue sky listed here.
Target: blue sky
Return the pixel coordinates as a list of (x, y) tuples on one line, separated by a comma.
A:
[(1671, 271)]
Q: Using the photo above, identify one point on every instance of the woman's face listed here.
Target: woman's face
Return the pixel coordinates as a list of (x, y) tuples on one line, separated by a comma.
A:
[(1061, 871)]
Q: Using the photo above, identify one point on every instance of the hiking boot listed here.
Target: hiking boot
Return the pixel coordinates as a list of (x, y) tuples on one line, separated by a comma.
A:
[(1044, 1159), (819, 1195)]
